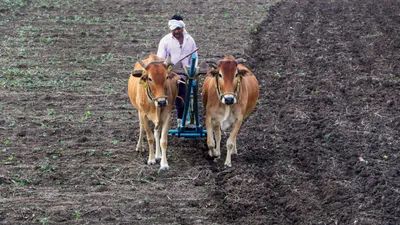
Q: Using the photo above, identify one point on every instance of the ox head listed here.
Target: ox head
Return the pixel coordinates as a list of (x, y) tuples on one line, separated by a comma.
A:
[(227, 78), (153, 76)]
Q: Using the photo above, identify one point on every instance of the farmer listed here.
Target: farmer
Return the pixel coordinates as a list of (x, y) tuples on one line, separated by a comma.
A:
[(179, 44)]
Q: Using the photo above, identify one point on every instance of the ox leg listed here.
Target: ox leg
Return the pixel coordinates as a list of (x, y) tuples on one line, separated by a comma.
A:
[(139, 145), (150, 139), (210, 136), (157, 137), (217, 134), (164, 143), (234, 150), (231, 142)]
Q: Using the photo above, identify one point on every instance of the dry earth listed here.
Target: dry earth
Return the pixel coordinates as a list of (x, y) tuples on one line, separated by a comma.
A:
[(321, 147)]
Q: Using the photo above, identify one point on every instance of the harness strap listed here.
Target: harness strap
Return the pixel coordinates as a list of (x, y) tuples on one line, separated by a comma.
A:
[(150, 94), (221, 94)]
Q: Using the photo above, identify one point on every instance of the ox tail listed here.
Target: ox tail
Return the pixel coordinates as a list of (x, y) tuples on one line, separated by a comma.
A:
[(183, 101)]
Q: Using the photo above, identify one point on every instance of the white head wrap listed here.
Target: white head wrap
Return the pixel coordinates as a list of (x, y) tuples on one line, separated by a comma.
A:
[(173, 24)]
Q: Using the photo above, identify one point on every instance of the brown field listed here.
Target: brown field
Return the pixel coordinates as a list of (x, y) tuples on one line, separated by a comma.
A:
[(322, 146)]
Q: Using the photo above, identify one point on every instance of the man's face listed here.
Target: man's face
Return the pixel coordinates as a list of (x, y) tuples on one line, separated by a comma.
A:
[(178, 32)]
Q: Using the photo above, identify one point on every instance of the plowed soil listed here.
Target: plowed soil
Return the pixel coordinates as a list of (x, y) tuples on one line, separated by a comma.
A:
[(322, 146)]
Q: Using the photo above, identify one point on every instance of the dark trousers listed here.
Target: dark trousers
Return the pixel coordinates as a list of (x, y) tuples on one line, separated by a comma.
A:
[(179, 102)]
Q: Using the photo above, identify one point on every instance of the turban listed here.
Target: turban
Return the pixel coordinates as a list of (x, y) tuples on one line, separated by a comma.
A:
[(173, 24)]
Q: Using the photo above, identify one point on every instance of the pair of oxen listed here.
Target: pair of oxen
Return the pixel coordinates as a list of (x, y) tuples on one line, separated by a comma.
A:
[(230, 93)]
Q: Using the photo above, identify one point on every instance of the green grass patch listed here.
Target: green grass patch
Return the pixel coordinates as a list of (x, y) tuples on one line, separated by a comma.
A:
[(11, 4)]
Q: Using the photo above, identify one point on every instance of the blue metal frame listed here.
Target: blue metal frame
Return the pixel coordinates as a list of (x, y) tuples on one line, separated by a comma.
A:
[(191, 109)]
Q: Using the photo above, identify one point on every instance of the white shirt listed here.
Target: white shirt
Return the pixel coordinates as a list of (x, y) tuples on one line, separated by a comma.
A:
[(169, 44)]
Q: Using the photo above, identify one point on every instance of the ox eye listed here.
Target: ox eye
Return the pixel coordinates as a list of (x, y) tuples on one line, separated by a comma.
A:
[(220, 75), (150, 79)]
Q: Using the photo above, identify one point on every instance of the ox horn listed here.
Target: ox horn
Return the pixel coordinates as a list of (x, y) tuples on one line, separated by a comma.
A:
[(141, 62), (240, 60), (168, 61)]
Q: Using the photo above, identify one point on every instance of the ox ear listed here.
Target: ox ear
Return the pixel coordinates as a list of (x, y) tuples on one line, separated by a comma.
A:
[(172, 75), (137, 73), (143, 78), (244, 73)]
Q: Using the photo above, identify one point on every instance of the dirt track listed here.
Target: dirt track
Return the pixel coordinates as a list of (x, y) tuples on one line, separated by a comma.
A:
[(321, 147)]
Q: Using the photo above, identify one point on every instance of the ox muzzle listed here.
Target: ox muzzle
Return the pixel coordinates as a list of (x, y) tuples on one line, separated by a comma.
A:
[(228, 99), (161, 102)]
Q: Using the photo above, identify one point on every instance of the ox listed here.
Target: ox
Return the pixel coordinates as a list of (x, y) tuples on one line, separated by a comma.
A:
[(230, 94), (152, 89)]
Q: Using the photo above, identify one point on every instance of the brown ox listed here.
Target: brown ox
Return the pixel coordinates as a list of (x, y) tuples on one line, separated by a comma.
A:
[(230, 94), (152, 90)]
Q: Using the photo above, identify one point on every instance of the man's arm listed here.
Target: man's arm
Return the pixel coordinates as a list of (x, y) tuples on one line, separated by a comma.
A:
[(162, 51)]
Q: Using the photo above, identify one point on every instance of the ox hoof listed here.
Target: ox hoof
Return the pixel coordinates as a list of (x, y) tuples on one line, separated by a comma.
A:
[(228, 166), (234, 151), (164, 167), (151, 162), (210, 153), (213, 153)]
